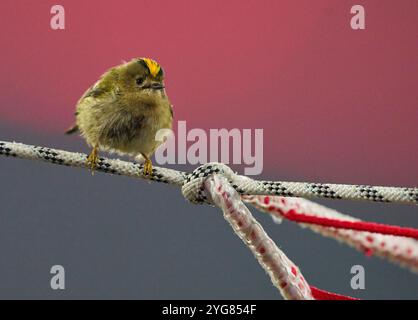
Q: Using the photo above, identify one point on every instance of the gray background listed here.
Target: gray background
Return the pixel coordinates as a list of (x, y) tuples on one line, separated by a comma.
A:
[(118, 237)]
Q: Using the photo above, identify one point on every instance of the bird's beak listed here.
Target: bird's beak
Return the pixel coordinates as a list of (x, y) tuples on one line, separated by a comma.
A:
[(156, 86)]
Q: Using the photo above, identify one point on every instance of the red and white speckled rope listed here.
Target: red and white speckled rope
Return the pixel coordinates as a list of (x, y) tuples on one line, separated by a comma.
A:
[(284, 274), (400, 250), (216, 183)]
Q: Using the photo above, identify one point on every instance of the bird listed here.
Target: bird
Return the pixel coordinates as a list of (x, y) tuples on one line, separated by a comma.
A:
[(123, 111)]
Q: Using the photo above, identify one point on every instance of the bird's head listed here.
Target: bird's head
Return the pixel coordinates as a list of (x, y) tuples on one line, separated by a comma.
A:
[(143, 76)]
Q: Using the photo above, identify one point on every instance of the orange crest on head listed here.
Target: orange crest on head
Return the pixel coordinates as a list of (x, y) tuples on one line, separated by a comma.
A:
[(152, 65)]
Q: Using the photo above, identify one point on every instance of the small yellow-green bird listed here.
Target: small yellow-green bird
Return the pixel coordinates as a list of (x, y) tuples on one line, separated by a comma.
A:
[(124, 110)]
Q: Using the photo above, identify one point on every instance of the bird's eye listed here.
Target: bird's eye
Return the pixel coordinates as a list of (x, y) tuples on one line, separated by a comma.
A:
[(139, 81)]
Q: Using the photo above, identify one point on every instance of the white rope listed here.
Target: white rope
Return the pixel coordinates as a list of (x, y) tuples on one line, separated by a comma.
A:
[(217, 184), (192, 183), (399, 250), (284, 274)]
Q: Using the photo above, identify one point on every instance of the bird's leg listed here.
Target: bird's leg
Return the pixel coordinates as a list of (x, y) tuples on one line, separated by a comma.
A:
[(93, 159), (147, 165)]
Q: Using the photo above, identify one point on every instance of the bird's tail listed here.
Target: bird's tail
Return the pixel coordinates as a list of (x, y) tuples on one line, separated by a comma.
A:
[(72, 129)]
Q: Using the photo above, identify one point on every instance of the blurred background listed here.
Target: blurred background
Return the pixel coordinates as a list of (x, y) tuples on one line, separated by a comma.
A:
[(336, 105)]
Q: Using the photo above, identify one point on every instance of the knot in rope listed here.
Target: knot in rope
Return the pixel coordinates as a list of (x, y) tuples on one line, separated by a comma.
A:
[(193, 189), (192, 182)]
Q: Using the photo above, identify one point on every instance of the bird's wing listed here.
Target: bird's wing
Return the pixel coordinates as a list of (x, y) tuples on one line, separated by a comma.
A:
[(94, 91), (123, 127), (97, 95)]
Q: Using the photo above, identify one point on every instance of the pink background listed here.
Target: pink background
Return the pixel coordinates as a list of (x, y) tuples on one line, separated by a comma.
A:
[(336, 105)]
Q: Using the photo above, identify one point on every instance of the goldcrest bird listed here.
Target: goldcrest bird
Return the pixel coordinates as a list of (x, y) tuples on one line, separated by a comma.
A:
[(124, 110)]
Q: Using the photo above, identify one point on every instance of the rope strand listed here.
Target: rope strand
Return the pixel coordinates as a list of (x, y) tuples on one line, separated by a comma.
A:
[(242, 184), (400, 250), (284, 274), (217, 184), (372, 227)]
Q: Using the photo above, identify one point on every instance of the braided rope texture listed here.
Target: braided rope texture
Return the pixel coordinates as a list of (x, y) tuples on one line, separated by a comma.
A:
[(399, 250), (191, 182), (117, 167), (284, 274)]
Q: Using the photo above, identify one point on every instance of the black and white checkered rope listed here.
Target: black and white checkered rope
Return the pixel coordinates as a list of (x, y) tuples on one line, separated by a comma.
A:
[(192, 183)]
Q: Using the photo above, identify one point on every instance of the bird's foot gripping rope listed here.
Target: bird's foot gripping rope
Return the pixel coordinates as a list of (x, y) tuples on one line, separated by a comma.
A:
[(93, 159), (243, 185), (217, 184)]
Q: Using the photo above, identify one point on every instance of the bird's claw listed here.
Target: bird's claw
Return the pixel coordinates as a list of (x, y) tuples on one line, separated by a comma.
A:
[(148, 167), (92, 160)]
